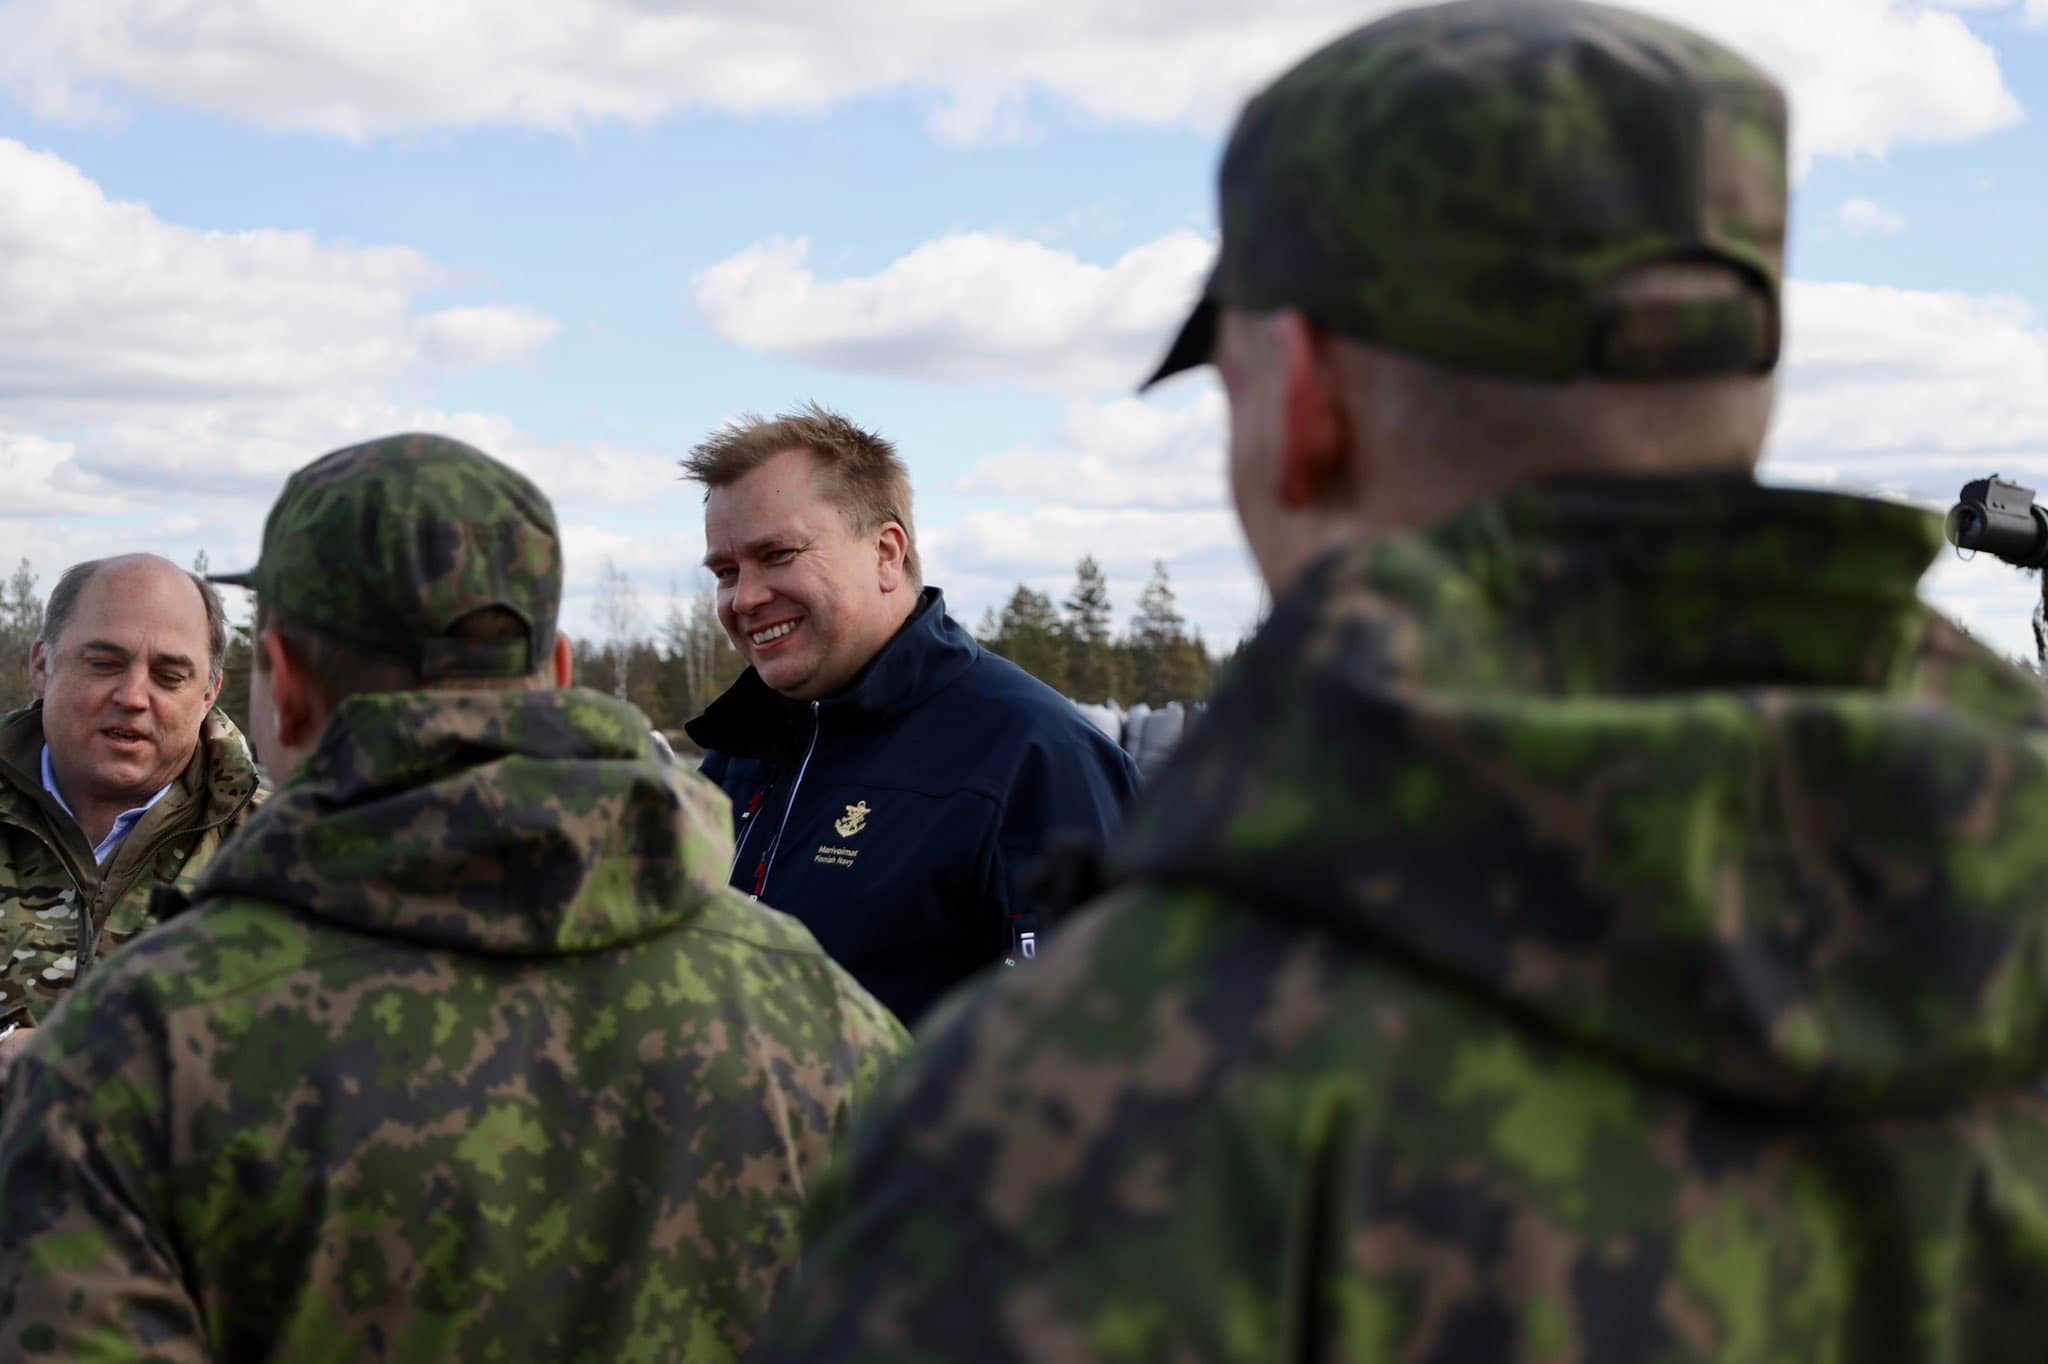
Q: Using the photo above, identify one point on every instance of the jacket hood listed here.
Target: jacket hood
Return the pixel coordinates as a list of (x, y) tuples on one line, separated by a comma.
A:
[(1678, 768), (926, 653), (530, 823), (222, 775)]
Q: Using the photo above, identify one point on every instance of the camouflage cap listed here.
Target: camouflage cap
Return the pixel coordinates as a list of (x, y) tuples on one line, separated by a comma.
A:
[(387, 545), (1470, 183)]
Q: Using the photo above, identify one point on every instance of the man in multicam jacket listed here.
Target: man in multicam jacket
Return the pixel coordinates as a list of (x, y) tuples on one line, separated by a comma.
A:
[(463, 1049), (122, 777), (1604, 918)]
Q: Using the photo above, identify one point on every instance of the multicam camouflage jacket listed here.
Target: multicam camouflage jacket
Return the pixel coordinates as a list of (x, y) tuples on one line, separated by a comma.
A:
[(463, 1051), (1612, 926), (60, 911)]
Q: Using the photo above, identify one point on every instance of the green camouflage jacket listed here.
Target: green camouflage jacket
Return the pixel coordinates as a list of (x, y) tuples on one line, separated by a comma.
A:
[(1612, 926), (60, 910), (464, 1051)]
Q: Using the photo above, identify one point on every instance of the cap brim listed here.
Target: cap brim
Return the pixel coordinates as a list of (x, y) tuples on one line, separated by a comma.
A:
[(1195, 345), (246, 578)]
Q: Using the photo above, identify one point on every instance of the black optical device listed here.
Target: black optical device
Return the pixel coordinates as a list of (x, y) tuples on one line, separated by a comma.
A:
[(1999, 517)]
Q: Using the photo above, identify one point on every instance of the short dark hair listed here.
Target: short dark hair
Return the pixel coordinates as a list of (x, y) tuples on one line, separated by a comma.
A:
[(63, 605), (340, 670), (864, 476)]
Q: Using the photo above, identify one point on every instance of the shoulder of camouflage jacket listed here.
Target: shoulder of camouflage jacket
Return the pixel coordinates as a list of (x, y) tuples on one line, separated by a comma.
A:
[(504, 821), (1800, 869), (1194, 1130), (234, 787), (500, 1142)]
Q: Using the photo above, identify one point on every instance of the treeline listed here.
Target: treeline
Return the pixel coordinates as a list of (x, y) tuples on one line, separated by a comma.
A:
[(1072, 648), (672, 667), (21, 620), (671, 672)]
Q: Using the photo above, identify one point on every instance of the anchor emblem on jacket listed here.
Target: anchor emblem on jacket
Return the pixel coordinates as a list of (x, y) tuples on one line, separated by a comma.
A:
[(853, 821)]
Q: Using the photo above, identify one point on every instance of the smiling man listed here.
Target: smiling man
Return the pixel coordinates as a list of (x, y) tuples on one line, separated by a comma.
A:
[(121, 778), (894, 784)]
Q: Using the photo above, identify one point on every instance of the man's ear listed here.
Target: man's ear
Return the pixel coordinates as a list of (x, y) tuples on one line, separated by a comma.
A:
[(39, 667), (892, 549), (564, 661), (1316, 455), (301, 714)]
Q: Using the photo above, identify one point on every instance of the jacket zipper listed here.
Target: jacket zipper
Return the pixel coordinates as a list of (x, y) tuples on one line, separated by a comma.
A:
[(748, 820), (768, 859), (88, 937)]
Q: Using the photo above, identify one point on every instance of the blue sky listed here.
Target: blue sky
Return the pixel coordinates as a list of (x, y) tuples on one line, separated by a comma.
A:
[(243, 235)]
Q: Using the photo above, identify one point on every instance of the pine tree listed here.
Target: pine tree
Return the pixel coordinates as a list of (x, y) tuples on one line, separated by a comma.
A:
[(236, 660), (21, 620), (239, 664), (1028, 634), (1094, 671), (1166, 664), (690, 660), (618, 615)]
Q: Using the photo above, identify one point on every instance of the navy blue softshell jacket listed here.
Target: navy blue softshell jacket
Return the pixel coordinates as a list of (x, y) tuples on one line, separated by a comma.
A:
[(897, 818)]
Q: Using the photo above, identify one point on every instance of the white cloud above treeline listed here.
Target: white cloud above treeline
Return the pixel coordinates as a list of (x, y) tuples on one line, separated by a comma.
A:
[(159, 382), (104, 304), (1866, 75), (973, 307)]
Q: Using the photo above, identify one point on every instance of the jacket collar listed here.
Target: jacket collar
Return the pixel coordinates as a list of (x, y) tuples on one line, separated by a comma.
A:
[(528, 823), (1681, 769), (928, 653)]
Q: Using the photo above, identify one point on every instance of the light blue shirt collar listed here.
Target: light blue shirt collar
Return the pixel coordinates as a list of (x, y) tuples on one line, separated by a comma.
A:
[(124, 823)]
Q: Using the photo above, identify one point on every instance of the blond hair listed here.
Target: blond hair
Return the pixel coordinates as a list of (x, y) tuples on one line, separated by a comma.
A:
[(863, 475)]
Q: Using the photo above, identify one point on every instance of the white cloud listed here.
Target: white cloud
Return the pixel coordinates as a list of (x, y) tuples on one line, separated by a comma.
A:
[(1123, 453), (102, 303), (1862, 216), (1892, 391), (476, 338), (965, 308), (1993, 602), (1909, 391), (158, 383), (42, 478), (1867, 74)]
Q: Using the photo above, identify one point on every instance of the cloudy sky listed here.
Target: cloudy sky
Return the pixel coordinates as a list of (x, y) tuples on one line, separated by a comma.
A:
[(235, 234)]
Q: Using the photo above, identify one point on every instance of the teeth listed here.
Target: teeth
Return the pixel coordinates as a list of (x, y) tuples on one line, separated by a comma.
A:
[(764, 636)]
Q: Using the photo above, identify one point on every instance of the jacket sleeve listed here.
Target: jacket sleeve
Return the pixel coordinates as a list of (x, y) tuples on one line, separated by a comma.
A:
[(1072, 787), (896, 1266), (86, 1272)]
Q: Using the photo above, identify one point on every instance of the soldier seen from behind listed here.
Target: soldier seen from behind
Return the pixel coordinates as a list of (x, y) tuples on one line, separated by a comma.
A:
[(462, 1049), (1603, 918), (121, 777)]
